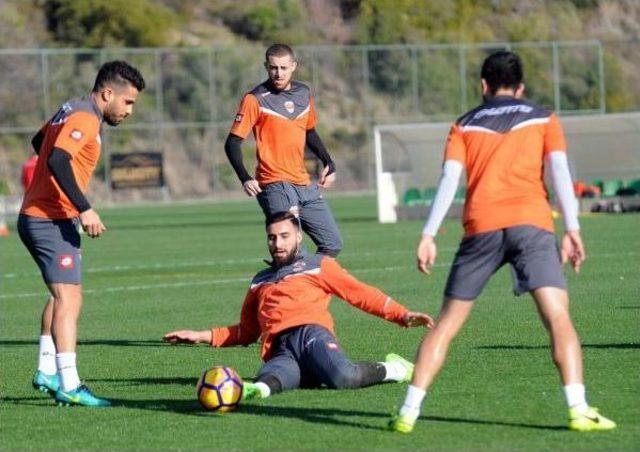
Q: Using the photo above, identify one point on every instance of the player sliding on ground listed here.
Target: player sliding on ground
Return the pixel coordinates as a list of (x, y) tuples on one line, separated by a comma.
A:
[(287, 307), (504, 145)]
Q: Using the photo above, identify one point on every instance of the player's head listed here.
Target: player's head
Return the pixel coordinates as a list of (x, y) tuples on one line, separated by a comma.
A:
[(117, 86), (284, 237), (280, 63), (502, 71)]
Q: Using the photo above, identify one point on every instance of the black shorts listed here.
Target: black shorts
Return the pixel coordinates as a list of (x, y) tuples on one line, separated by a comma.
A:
[(532, 253), (54, 246)]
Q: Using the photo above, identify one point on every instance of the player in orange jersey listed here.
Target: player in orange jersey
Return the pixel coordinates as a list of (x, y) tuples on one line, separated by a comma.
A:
[(286, 308), (504, 145), (281, 114), (68, 146)]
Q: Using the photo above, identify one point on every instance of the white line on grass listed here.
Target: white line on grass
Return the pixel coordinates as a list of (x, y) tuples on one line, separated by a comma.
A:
[(192, 283)]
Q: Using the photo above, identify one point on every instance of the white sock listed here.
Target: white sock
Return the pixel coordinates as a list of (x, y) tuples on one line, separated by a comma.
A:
[(575, 394), (47, 356), (412, 402), (396, 371), (265, 391), (69, 379)]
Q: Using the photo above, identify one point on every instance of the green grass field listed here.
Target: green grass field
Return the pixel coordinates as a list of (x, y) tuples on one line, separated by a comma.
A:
[(188, 266)]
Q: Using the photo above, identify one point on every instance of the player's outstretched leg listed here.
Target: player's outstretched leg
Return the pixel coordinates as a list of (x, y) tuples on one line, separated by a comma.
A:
[(431, 356), (553, 306)]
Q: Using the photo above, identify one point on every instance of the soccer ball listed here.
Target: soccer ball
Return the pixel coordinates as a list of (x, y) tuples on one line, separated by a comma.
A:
[(220, 389)]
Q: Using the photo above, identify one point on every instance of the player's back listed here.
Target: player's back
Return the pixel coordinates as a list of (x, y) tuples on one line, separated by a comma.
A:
[(502, 145), (75, 128)]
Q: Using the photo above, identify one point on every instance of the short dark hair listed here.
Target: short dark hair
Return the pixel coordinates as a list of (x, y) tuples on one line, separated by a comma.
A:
[(120, 73), (282, 216), (279, 50), (502, 69)]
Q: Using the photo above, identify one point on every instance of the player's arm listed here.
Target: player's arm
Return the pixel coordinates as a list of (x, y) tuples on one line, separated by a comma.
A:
[(72, 137), (315, 144), (233, 149), (454, 157), (37, 140), (337, 281), (246, 332), (245, 119), (572, 248)]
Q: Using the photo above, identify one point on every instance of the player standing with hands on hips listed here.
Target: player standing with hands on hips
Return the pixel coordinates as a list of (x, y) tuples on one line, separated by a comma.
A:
[(505, 145), (68, 146), (282, 116)]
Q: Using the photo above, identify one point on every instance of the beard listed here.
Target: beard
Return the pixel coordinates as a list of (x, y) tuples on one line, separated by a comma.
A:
[(111, 120), (288, 258)]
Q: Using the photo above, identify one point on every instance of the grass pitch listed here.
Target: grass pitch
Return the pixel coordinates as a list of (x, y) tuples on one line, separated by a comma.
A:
[(188, 266)]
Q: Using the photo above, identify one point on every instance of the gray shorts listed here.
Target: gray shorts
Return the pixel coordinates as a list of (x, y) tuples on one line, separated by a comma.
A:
[(55, 246), (315, 217), (531, 252)]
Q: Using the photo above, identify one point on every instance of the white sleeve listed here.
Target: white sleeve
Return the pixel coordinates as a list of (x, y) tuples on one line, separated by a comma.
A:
[(561, 179), (447, 187)]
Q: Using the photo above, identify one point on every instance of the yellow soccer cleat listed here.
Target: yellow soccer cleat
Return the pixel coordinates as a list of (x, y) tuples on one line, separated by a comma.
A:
[(408, 365), (401, 424), (589, 421)]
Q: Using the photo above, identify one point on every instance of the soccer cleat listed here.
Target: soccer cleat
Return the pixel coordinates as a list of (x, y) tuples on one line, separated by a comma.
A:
[(46, 383), (401, 424), (250, 391), (589, 421), (392, 357), (80, 396)]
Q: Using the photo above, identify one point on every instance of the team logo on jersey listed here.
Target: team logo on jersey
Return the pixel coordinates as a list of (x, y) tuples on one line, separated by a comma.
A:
[(299, 266), (289, 106), (76, 134), (239, 117), (65, 261)]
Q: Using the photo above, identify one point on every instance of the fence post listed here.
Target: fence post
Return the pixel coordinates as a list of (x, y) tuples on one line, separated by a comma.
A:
[(414, 80), (603, 99), (462, 60), (46, 93), (213, 115), (160, 114), (556, 77)]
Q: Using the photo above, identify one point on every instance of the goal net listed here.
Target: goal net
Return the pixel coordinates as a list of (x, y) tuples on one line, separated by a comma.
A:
[(409, 159)]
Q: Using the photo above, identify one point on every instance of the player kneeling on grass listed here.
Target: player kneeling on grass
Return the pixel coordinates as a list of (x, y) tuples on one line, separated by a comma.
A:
[(287, 306)]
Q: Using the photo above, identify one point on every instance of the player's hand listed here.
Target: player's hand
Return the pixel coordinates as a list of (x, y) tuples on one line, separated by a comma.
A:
[(572, 250), (188, 337), (426, 254), (252, 187), (411, 319), (326, 179), (91, 223)]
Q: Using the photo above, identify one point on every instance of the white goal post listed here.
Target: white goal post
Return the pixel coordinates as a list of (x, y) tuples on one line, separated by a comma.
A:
[(408, 158)]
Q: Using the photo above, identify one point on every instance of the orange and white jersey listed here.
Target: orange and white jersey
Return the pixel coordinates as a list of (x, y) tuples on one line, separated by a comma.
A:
[(75, 128), (502, 144), (299, 294), (279, 121)]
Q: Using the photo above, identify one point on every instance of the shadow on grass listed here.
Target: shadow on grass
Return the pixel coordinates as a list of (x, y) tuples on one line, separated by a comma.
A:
[(115, 342), (149, 381), (628, 345), (330, 416)]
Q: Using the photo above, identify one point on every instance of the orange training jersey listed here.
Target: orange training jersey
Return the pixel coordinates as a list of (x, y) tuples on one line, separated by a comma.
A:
[(298, 294), (279, 120), (502, 145), (75, 128)]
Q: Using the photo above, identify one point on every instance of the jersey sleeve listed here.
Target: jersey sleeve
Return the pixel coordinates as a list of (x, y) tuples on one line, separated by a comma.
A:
[(339, 282), (246, 117), (455, 149), (554, 136), (312, 119), (244, 333), (79, 128)]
